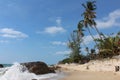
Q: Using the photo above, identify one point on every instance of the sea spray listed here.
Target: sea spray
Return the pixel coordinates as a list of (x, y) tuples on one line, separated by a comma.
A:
[(19, 72)]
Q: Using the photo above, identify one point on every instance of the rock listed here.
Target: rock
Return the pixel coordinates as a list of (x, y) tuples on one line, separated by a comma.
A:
[(52, 68), (1, 66), (57, 67), (117, 68), (38, 68)]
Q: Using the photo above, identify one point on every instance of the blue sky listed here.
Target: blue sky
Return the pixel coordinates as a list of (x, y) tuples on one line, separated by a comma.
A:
[(37, 30)]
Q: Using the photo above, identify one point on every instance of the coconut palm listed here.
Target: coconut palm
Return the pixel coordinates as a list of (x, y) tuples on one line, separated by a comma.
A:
[(89, 16), (89, 13)]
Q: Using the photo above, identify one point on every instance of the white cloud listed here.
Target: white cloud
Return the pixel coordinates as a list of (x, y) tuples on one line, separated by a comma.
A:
[(63, 52), (11, 33), (59, 43), (110, 21), (54, 30)]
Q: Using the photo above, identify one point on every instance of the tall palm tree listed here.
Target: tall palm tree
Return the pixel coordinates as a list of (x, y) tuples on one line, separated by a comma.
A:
[(89, 16)]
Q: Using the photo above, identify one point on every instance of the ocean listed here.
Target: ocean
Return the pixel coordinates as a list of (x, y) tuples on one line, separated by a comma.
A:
[(15, 72), (7, 65)]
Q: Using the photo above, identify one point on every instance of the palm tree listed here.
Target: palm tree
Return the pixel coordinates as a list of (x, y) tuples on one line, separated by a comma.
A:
[(89, 13), (89, 16)]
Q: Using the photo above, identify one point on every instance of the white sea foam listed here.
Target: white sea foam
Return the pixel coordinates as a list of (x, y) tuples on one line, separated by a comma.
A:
[(19, 72)]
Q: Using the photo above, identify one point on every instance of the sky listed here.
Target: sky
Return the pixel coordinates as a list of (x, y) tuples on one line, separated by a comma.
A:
[(38, 30)]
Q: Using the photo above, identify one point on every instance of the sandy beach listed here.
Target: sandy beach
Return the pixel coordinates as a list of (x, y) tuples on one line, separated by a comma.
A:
[(94, 70), (83, 75)]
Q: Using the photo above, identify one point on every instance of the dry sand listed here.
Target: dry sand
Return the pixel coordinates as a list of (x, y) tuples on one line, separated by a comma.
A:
[(83, 75), (94, 70)]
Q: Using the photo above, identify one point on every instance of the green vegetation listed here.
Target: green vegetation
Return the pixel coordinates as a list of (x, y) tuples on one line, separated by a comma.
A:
[(107, 46), (74, 45), (67, 60)]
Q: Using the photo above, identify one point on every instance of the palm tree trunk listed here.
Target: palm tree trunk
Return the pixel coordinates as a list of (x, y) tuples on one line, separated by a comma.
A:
[(91, 35), (98, 32)]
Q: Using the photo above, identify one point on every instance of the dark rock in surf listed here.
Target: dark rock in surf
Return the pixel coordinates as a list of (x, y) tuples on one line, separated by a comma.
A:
[(38, 68), (1, 66)]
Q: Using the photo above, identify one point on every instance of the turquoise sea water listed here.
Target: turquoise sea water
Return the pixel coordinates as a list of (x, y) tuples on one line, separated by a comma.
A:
[(7, 65)]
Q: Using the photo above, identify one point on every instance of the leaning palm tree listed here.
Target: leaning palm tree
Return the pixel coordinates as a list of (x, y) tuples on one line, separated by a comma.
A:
[(89, 16)]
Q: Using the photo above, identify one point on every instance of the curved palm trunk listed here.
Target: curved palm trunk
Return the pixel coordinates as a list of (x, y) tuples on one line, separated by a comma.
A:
[(98, 32), (91, 35)]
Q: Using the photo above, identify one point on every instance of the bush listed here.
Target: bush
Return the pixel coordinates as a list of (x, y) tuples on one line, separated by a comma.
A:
[(67, 60)]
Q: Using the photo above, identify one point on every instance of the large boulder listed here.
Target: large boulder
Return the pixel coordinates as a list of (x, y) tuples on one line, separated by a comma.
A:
[(1, 66), (38, 67)]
